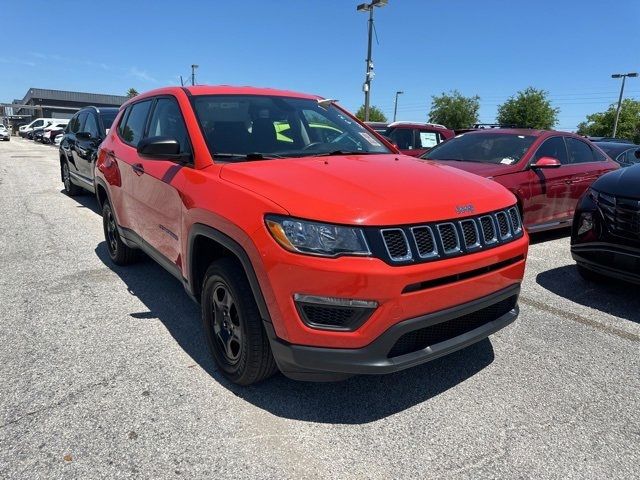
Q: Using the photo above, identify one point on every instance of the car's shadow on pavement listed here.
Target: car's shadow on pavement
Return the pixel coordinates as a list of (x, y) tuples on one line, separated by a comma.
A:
[(549, 235), (86, 200), (357, 400), (609, 296)]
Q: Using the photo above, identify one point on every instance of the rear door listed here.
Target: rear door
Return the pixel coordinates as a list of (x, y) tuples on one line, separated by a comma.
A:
[(130, 131)]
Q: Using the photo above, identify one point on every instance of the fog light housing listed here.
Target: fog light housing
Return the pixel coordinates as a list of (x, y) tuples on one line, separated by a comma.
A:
[(586, 223), (330, 313)]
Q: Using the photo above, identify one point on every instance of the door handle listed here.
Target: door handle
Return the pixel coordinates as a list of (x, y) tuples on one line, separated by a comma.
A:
[(568, 182), (138, 168)]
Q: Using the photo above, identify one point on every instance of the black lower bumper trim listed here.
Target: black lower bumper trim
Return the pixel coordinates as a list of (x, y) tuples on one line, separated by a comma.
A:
[(609, 259), (328, 364)]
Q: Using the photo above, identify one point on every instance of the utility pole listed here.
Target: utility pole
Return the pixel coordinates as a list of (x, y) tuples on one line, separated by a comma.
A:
[(368, 7), (193, 74), (395, 105), (624, 77)]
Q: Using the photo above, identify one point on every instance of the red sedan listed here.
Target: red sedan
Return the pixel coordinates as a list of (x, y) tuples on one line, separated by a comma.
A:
[(548, 171)]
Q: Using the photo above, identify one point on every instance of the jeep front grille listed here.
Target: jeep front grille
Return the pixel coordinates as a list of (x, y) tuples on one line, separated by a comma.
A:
[(418, 243)]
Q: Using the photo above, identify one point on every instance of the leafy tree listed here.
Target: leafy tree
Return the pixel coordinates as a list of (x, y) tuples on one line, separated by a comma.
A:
[(132, 92), (454, 110), (375, 114), (601, 124), (529, 108)]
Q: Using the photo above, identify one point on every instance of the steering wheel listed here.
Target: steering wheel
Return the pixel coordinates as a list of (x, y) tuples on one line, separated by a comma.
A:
[(311, 145)]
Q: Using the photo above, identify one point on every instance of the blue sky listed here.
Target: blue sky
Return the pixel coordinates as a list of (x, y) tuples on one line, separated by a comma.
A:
[(491, 48)]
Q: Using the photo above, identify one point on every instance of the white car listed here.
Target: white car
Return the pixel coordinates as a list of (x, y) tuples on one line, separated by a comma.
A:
[(52, 130), (58, 139), (25, 130), (4, 133)]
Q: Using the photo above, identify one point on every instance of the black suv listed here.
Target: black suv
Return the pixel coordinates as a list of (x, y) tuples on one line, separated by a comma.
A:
[(79, 147), (605, 238)]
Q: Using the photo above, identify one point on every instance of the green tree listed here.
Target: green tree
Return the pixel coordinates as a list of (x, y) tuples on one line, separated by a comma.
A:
[(529, 108), (454, 110), (375, 114), (601, 124), (132, 92)]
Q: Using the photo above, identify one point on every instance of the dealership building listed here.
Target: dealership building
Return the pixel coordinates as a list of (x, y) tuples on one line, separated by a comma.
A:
[(42, 102)]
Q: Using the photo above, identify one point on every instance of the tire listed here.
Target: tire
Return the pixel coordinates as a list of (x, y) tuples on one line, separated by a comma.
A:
[(589, 275), (119, 253), (69, 187), (232, 325)]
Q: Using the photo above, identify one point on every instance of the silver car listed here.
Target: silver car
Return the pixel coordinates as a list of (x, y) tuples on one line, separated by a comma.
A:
[(4, 133)]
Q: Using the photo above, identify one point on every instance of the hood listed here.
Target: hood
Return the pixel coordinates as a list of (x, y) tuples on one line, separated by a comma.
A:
[(624, 182), (483, 169), (368, 189)]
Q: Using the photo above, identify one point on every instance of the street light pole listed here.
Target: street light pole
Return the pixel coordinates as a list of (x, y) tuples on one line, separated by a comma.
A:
[(395, 105), (624, 77), (368, 7), (193, 74)]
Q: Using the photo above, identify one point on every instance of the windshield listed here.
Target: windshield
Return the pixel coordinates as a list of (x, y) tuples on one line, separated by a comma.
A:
[(257, 127), (498, 148)]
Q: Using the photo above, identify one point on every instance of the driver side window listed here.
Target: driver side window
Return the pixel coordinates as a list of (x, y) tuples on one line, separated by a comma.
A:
[(553, 147)]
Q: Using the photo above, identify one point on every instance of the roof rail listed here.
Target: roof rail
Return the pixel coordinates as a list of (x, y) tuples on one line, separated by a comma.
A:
[(424, 124), (498, 125)]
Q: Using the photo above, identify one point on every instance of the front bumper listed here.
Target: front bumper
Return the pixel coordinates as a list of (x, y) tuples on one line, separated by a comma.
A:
[(612, 260), (308, 363), (599, 249)]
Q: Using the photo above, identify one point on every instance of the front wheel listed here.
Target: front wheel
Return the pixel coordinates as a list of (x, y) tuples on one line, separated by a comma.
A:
[(233, 326)]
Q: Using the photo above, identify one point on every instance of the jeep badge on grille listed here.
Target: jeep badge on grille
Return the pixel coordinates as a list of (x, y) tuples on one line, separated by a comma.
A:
[(460, 209)]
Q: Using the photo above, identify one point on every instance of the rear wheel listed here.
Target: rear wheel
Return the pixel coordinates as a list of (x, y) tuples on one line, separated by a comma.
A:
[(120, 253), (69, 187), (233, 326)]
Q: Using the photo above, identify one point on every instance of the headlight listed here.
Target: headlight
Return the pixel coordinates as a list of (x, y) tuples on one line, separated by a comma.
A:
[(315, 238)]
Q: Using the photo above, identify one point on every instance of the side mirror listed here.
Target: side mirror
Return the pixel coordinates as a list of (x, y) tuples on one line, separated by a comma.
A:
[(546, 162), (84, 136), (160, 148)]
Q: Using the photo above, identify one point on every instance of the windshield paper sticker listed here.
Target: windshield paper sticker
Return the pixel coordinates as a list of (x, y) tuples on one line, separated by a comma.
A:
[(507, 161), (370, 139)]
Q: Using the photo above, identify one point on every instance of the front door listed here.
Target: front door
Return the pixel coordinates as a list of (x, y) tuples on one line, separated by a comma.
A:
[(549, 188)]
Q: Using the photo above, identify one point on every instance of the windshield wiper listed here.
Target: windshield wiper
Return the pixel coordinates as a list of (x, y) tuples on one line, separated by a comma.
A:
[(345, 152), (247, 156)]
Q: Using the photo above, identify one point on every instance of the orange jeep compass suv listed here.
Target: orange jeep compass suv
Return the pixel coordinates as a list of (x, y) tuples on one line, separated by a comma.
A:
[(323, 257)]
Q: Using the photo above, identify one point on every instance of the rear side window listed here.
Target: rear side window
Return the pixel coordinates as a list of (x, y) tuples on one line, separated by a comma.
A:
[(427, 139), (166, 121), (133, 129), (554, 148), (579, 152)]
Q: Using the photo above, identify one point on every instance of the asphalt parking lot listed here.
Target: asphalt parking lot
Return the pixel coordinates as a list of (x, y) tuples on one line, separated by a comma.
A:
[(105, 374)]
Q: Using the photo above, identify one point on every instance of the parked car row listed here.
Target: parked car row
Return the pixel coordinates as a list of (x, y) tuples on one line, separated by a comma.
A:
[(313, 244)]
